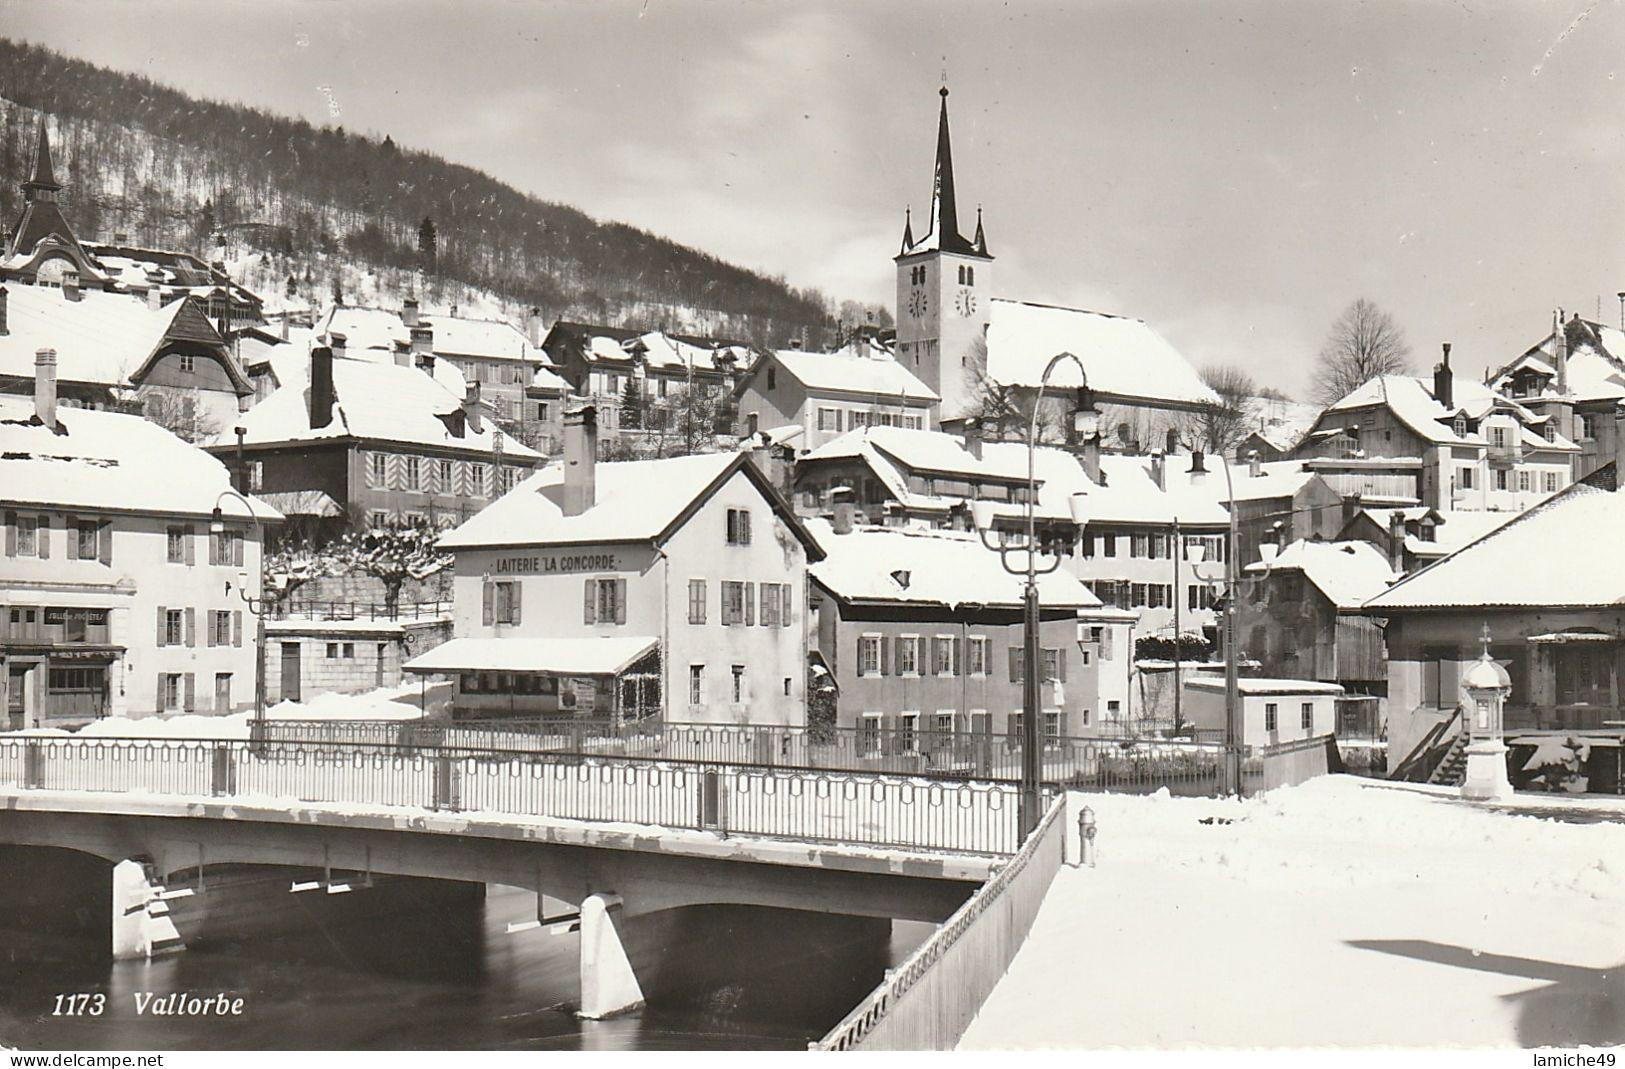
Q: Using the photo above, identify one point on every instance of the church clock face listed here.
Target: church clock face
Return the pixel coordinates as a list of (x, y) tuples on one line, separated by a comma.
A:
[(918, 303), (965, 302)]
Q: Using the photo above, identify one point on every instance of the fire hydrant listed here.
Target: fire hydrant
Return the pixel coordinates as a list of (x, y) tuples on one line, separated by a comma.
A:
[(1086, 837)]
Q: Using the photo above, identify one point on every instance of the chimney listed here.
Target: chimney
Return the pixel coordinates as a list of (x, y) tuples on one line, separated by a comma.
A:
[(1159, 468), (409, 311), (1444, 383), (795, 343), (580, 458), (1089, 459), (241, 474), (973, 438), (45, 386), (843, 511), (1171, 442), (1352, 504), (533, 327), (1560, 353), (423, 348), (1255, 467), (475, 422), (337, 342), (155, 298), (5, 326), (1396, 541), (321, 387), (70, 285)]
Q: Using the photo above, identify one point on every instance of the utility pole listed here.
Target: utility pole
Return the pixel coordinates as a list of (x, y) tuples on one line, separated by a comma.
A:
[(1176, 551)]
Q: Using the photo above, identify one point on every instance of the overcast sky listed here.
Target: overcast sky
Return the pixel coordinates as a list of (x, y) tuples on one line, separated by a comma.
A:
[(1233, 173)]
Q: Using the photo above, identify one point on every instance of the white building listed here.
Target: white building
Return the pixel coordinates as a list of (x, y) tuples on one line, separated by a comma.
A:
[(116, 599), (671, 587), (826, 394), (1272, 710)]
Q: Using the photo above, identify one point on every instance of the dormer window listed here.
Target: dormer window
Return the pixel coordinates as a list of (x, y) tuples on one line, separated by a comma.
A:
[(1460, 426), (1549, 431)]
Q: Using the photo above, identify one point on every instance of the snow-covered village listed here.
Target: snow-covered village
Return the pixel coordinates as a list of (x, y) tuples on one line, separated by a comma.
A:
[(738, 526)]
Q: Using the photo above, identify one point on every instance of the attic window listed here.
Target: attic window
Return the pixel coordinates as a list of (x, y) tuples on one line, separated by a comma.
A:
[(1460, 426), (1549, 431)]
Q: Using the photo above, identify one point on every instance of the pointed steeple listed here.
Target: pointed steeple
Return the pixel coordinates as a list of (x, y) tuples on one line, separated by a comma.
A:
[(43, 180), (908, 228), (943, 235), (980, 241)]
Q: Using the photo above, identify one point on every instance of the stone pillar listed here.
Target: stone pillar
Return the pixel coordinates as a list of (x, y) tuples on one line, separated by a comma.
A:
[(608, 986), (141, 924), (1486, 685)]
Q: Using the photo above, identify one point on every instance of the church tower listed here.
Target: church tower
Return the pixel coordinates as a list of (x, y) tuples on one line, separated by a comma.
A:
[(41, 248), (943, 285)]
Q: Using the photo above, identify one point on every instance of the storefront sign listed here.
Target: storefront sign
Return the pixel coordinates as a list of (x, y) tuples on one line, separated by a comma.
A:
[(556, 563)]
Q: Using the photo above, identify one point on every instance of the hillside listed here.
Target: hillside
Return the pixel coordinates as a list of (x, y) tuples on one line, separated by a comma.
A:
[(341, 213)]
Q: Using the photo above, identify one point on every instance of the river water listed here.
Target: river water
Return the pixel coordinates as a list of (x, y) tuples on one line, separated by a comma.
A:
[(322, 978)]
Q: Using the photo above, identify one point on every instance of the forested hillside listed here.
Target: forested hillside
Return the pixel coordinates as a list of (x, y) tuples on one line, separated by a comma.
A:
[(320, 205)]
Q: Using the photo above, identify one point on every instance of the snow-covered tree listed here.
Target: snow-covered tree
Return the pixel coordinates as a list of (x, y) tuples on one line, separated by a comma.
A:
[(392, 553), (292, 564)]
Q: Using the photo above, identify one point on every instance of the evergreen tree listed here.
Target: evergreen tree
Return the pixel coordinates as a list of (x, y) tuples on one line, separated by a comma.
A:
[(428, 246), (632, 404)]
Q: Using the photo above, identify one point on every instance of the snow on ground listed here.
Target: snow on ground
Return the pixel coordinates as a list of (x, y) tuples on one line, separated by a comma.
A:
[(1339, 913)]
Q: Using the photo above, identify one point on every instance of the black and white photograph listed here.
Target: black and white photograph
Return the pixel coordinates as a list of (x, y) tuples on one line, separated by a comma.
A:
[(844, 525)]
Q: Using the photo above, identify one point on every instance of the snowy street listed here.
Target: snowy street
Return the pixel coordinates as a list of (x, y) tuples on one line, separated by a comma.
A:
[(1340, 913)]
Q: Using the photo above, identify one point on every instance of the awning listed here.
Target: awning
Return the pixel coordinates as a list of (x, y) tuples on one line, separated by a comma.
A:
[(302, 502), (553, 656), (1575, 636)]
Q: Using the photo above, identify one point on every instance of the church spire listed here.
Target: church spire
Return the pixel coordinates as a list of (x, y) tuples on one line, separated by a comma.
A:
[(943, 234), (908, 227), (44, 180)]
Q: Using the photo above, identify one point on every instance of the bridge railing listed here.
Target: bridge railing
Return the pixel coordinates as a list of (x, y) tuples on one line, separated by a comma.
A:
[(1127, 765), (835, 807)]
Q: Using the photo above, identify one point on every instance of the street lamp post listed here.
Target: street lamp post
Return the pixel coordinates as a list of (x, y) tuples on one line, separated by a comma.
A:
[(256, 605), (1086, 422), (1226, 587)]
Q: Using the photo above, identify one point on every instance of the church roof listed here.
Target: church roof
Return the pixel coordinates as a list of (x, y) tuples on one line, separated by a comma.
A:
[(944, 235), (43, 177)]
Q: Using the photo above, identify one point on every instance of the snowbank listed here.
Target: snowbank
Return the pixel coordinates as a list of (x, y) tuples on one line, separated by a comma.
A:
[(1340, 913)]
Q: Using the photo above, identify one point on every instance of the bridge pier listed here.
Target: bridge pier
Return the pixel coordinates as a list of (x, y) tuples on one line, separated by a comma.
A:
[(608, 985), (142, 927)]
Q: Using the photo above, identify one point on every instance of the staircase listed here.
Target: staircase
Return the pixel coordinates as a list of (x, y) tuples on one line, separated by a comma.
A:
[(1452, 767), (1424, 761)]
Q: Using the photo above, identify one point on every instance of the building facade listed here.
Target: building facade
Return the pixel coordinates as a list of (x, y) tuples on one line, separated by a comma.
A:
[(827, 394)]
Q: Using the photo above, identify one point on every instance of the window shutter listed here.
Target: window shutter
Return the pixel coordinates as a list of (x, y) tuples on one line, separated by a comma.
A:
[(620, 601), (1062, 666), (885, 655), (71, 525), (163, 614), (1063, 724), (191, 628), (159, 699), (959, 656), (589, 606), (732, 527), (767, 618), (513, 605), (897, 654), (208, 638), (191, 550), (1015, 664), (237, 627), (191, 689), (11, 534), (744, 527), (750, 604), (237, 549), (43, 537), (105, 542), (488, 592), (784, 606)]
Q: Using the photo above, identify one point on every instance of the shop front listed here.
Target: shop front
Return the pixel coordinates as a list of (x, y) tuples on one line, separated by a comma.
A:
[(606, 679)]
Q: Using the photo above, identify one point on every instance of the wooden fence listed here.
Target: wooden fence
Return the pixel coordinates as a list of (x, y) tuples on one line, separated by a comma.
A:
[(928, 1001)]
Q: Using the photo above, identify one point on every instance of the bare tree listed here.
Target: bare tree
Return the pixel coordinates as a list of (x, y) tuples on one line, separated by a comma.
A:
[(1218, 428), (1364, 342), (180, 412), (1006, 412)]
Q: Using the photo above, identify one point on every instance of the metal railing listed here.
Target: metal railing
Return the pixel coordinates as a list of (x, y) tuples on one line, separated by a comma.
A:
[(1182, 765), (885, 811), (928, 1001), (338, 609)]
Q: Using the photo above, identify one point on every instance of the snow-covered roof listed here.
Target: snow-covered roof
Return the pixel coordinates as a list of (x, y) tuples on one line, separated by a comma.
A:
[(382, 328), (547, 379), (376, 402), (595, 656), (1548, 556), (1277, 478), (108, 460), (1412, 402), (102, 338), (671, 352), (844, 372), (1591, 374), (634, 501), (1124, 358), (1348, 573), (929, 567), (1257, 685), (1282, 424)]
